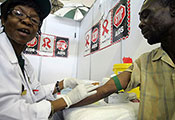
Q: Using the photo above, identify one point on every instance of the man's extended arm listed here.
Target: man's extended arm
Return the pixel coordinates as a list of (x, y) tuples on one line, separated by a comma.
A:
[(106, 90)]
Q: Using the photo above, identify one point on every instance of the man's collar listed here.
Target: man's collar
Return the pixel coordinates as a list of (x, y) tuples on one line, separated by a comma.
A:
[(160, 54)]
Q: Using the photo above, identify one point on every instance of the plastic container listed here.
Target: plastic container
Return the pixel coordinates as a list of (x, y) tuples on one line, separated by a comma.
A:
[(118, 68)]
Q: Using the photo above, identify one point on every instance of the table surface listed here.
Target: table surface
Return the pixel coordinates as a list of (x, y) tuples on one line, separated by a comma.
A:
[(103, 111)]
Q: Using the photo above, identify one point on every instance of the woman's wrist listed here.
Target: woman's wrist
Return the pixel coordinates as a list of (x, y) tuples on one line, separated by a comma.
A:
[(58, 87), (61, 85)]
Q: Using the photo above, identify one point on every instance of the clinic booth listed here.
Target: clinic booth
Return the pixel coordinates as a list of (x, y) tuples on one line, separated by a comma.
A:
[(88, 50)]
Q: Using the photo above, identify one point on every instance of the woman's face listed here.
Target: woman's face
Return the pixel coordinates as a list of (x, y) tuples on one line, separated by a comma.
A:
[(21, 30)]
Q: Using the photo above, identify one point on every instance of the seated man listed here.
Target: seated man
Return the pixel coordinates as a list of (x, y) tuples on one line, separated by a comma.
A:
[(154, 71)]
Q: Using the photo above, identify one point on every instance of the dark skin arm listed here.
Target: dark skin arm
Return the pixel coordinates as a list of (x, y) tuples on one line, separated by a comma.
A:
[(58, 104), (106, 90)]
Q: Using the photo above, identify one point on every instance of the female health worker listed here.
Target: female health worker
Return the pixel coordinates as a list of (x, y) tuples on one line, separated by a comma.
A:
[(22, 97)]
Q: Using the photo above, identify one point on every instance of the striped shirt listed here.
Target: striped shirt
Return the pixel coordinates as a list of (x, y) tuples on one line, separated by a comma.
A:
[(155, 73)]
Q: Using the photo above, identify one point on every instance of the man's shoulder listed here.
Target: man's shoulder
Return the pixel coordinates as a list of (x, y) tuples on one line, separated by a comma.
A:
[(148, 56), (151, 53)]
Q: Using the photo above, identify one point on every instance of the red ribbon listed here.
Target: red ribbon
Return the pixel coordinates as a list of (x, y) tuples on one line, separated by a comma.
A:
[(46, 43), (105, 24), (87, 40)]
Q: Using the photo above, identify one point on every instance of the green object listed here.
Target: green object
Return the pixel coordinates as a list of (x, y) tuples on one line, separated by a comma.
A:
[(82, 11), (117, 82), (72, 13)]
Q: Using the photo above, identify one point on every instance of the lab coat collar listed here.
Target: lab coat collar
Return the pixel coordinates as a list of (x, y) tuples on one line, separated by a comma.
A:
[(7, 49)]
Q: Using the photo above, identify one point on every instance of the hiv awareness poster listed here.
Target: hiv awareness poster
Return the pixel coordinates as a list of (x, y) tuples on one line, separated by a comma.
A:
[(121, 21), (114, 28), (95, 38), (48, 45)]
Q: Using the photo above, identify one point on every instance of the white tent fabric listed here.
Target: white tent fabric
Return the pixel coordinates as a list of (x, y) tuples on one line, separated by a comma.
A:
[(87, 3), (76, 11)]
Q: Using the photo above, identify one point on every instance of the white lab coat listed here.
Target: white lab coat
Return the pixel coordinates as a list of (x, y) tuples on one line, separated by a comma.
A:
[(13, 105)]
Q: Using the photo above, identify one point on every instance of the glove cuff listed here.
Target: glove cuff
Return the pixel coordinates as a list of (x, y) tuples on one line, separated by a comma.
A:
[(67, 100)]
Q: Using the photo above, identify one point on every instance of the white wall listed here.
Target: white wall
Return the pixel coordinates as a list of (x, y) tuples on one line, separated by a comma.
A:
[(100, 64), (49, 69), (95, 66)]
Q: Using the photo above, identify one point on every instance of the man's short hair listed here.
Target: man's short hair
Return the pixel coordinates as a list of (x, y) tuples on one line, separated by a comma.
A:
[(162, 2), (166, 2)]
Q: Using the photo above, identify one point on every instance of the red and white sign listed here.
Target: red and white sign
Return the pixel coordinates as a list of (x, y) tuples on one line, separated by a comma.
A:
[(32, 43), (119, 16), (47, 45), (95, 35), (106, 31), (87, 42), (61, 45)]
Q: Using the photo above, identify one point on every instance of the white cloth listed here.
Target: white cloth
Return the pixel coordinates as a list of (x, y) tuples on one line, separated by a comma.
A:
[(102, 111), (13, 105)]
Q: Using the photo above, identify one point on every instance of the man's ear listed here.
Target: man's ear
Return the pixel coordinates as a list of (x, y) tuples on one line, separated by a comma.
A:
[(172, 8)]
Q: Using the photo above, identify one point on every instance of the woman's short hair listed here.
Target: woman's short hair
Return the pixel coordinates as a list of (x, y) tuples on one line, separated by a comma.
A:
[(10, 4)]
